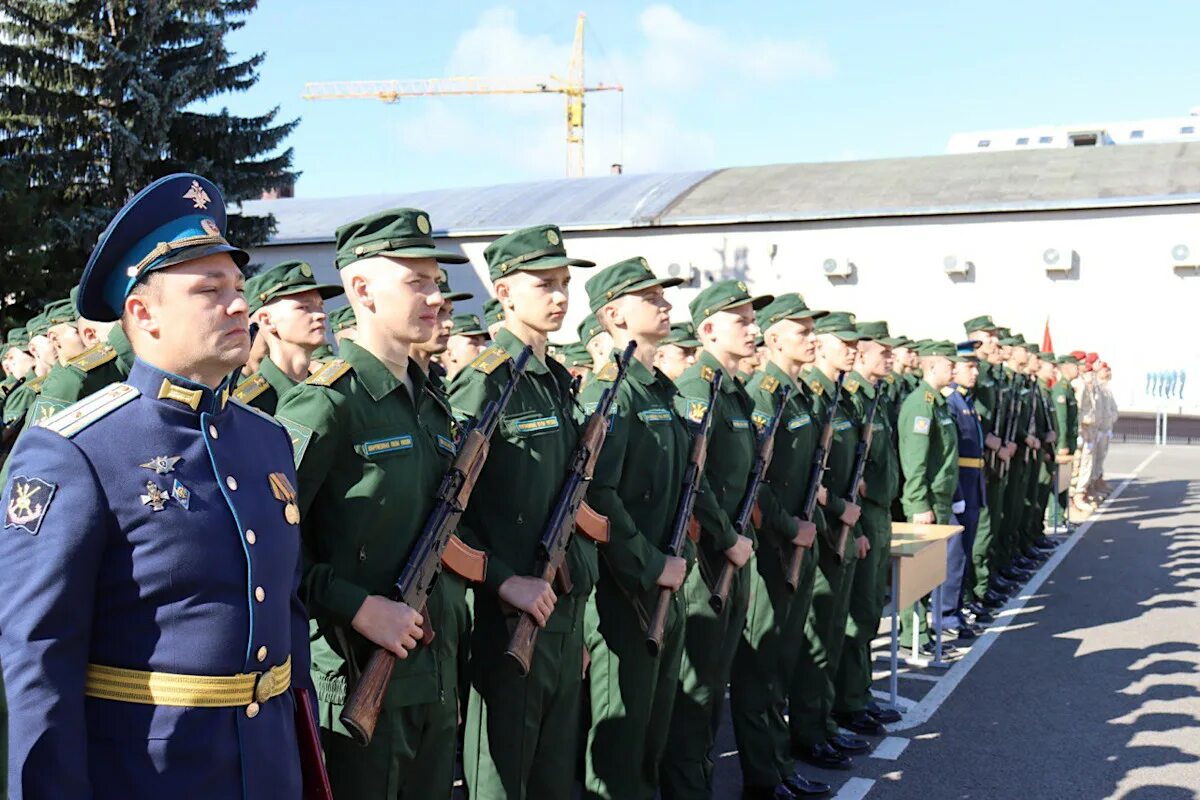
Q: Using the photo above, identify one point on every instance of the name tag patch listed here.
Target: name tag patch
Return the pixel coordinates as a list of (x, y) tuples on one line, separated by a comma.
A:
[(739, 424), (536, 425), (652, 416), (445, 443), (945, 421), (799, 422), (842, 425), (390, 444)]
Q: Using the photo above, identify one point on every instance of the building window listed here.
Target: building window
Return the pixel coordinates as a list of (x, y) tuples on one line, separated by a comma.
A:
[(1045, 139), (1187, 129), (984, 143), (1023, 140), (1138, 134)]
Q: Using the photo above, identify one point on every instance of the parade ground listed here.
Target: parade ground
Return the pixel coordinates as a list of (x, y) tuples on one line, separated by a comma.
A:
[(1088, 684)]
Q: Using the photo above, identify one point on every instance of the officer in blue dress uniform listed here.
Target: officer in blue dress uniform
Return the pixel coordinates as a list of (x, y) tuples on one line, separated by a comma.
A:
[(972, 487), (151, 625)]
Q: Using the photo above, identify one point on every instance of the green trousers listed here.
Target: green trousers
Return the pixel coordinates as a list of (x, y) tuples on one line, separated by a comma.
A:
[(985, 557), (632, 693), (522, 732), (1032, 523), (710, 641), (765, 661), (811, 695), (868, 595), (1016, 495)]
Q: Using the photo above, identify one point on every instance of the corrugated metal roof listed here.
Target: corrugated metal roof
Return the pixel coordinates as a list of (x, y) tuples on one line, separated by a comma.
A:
[(1093, 177), (613, 201)]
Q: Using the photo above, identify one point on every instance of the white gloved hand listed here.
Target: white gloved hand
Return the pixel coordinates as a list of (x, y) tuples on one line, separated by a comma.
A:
[(959, 507)]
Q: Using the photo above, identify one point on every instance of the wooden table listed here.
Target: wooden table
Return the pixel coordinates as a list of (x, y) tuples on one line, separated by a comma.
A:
[(918, 567)]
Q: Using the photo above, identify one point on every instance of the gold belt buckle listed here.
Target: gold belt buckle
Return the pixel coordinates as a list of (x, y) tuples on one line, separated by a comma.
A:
[(264, 686)]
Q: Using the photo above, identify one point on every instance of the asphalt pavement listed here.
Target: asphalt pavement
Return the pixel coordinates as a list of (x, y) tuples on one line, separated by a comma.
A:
[(1088, 686)]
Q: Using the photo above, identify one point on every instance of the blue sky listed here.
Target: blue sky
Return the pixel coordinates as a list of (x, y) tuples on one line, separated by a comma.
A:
[(707, 84)]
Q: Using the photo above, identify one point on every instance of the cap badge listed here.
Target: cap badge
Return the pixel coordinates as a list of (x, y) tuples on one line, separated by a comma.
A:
[(306, 270), (552, 237), (423, 224), (197, 195)]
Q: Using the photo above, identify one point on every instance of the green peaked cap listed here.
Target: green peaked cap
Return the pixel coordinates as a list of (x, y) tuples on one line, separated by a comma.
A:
[(721, 296), (789, 305), (841, 324), (529, 249), (980, 323), (60, 312), (342, 318), (467, 325), (18, 338), (682, 334), (37, 325), (622, 278), (283, 280), (493, 312), (589, 328), (943, 348), (397, 232), (448, 293)]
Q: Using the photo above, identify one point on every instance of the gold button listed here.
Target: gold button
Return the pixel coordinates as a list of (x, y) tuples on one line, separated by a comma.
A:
[(231, 482), (252, 710), (262, 654), (250, 537), (212, 431), (260, 594)]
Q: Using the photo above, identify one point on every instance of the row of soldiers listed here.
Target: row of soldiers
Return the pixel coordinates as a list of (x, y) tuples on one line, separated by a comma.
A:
[(206, 534)]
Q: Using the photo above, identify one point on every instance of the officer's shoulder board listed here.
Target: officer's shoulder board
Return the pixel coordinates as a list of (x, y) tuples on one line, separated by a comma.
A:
[(817, 388), (851, 385), (707, 373), (251, 388), (608, 373), (329, 373), (246, 407), (769, 384), (890, 378), (35, 385), (929, 398), (91, 409), (947, 391), (487, 361), (95, 356)]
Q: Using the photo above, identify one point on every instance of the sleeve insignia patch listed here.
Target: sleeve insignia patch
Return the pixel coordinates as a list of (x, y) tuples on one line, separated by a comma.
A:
[(28, 501), (760, 420), (921, 425), (45, 408), (300, 436), (696, 409)]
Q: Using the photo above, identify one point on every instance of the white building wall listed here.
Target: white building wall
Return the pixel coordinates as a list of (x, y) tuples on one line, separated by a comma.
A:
[(1124, 300)]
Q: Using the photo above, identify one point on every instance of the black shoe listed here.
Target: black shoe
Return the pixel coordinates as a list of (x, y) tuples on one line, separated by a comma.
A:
[(1046, 543), (1016, 575), (1023, 563), (849, 744), (982, 615), (780, 792), (825, 756), (1038, 554), (884, 715), (930, 650), (860, 722), (803, 787), (963, 633), (992, 601), (1002, 585)]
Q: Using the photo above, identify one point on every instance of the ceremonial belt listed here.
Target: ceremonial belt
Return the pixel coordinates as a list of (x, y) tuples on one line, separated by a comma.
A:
[(977, 463), (187, 691)]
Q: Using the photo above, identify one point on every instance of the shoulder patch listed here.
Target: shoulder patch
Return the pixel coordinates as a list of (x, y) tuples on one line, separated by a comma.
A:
[(487, 361), (300, 435), (769, 383), (28, 502), (251, 388), (816, 387), (96, 355), (75, 418), (35, 385), (328, 374), (245, 407), (707, 373), (929, 398), (696, 409), (607, 373), (851, 385)]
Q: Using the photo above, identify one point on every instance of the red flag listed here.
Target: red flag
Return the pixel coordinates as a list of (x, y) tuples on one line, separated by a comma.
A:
[(1047, 345)]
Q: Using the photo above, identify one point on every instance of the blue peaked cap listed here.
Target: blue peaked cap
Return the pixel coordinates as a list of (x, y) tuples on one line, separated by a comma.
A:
[(176, 219)]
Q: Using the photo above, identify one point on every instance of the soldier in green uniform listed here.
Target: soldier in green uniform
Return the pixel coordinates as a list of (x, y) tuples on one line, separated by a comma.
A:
[(468, 338), (1016, 567), (18, 363), (929, 455), (372, 442), (723, 315), (814, 734), (343, 324), (428, 354), (66, 343), (493, 316), (637, 485), (596, 341), (1037, 544), (16, 407), (578, 361), (288, 305), (853, 707), (767, 654), (522, 731), (677, 351), (1066, 408)]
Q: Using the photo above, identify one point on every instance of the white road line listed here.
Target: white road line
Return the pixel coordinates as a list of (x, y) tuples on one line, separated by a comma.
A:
[(854, 789), (932, 701), (890, 748)]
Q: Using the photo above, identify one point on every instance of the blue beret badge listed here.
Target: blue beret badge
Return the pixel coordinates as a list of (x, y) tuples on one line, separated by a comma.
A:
[(28, 501)]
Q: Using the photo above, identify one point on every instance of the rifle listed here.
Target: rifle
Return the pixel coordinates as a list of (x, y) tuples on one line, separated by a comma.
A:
[(1031, 426), (862, 451), (416, 580), (683, 515), (1010, 432), (741, 524), (816, 475), (556, 536), (997, 430)]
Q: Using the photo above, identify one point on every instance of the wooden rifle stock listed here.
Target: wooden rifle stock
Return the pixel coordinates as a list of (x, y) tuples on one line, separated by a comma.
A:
[(816, 475), (758, 473), (860, 467), (557, 535), (360, 715), (315, 779)]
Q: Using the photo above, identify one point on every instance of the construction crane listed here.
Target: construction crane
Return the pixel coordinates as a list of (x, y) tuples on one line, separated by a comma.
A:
[(573, 87)]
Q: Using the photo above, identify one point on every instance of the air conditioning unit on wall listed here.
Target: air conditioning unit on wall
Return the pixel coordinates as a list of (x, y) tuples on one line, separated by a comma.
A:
[(837, 268), (1058, 260), (1185, 255), (955, 266)]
